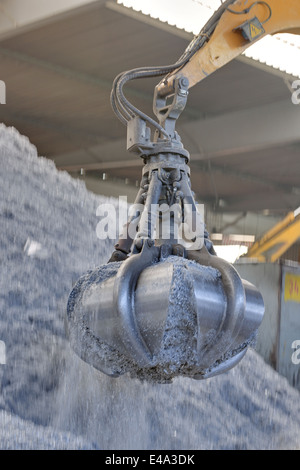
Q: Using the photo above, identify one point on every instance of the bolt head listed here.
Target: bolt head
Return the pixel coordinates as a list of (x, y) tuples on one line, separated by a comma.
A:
[(183, 82)]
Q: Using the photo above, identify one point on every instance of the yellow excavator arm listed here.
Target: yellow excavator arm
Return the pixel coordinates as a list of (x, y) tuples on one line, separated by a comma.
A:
[(241, 24), (277, 240)]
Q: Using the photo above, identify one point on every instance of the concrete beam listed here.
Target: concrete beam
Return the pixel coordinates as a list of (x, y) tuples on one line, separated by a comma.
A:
[(21, 15), (88, 79), (109, 188), (260, 128), (113, 156), (108, 155), (156, 23), (243, 131)]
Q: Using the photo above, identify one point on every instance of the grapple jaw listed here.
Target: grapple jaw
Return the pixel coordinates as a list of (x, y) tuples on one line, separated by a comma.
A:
[(157, 317)]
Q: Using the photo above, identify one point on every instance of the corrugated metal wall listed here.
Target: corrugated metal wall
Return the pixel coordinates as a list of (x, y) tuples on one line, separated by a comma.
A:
[(279, 332)]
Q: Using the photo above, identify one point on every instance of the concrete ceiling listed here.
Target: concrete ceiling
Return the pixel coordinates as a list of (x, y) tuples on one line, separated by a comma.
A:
[(240, 125)]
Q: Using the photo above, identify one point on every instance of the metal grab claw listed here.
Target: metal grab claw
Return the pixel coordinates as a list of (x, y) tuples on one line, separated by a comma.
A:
[(126, 313)]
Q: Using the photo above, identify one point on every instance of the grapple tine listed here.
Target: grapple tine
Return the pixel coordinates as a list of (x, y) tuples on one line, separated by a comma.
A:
[(124, 291)]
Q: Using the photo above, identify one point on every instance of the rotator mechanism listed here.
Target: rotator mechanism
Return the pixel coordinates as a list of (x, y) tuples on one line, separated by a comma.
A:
[(165, 304)]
